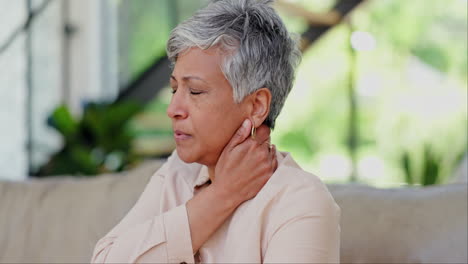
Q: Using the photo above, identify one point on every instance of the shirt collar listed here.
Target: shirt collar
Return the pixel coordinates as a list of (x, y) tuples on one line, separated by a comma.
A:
[(203, 177)]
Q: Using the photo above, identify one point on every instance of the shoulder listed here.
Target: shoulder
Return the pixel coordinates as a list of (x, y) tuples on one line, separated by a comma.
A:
[(295, 192), (176, 169)]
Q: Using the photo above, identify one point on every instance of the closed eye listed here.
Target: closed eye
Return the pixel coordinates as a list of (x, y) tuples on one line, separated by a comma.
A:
[(195, 92)]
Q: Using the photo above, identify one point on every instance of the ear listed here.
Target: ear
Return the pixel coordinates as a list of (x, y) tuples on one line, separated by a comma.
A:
[(260, 101)]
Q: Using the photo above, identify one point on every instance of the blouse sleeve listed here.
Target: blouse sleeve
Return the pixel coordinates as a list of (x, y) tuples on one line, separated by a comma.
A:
[(310, 237), (144, 236)]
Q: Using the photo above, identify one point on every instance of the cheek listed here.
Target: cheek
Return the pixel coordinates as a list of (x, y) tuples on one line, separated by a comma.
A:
[(217, 126)]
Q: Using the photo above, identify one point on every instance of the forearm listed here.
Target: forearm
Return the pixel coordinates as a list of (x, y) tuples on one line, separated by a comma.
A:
[(206, 212)]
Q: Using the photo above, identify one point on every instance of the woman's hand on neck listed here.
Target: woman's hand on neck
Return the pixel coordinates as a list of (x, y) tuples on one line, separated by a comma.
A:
[(245, 164)]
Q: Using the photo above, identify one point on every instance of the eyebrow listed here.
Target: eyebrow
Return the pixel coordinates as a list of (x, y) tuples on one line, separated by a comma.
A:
[(187, 78)]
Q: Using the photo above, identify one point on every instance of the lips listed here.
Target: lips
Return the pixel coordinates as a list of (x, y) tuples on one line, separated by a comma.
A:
[(179, 135)]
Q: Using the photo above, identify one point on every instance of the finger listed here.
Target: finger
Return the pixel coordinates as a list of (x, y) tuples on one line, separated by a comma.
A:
[(275, 165), (241, 134), (263, 134), (271, 154), (274, 161)]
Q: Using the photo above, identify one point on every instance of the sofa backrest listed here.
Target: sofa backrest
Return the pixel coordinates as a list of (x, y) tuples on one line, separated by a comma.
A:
[(404, 225), (58, 220)]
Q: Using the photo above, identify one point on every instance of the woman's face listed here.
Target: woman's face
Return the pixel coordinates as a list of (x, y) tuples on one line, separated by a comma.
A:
[(203, 112)]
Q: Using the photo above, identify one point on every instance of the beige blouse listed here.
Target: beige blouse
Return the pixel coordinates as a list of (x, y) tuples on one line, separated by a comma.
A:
[(293, 219)]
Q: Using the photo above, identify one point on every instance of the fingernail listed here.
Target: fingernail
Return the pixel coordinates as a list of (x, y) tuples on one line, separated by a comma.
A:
[(245, 124)]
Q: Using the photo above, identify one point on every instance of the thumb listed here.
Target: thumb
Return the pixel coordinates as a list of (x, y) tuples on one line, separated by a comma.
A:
[(241, 134)]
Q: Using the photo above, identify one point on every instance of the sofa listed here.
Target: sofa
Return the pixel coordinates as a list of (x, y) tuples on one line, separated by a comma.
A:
[(60, 219)]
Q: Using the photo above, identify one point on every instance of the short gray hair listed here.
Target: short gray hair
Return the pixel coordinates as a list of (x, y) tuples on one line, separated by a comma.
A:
[(262, 52)]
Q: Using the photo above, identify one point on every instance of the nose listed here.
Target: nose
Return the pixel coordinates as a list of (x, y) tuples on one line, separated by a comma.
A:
[(177, 109)]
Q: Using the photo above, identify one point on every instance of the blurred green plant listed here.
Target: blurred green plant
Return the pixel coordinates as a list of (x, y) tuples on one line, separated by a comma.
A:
[(430, 169), (99, 142)]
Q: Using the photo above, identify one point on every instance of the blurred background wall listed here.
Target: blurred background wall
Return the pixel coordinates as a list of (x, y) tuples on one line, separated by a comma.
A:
[(380, 96)]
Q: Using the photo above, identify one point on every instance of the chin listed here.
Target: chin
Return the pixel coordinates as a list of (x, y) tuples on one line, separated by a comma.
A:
[(190, 156), (186, 156)]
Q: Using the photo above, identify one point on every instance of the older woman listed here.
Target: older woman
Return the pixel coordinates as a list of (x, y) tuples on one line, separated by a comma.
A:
[(225, 194)]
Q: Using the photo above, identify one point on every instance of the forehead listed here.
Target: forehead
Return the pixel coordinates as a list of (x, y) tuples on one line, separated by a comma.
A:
[(204, 64)]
